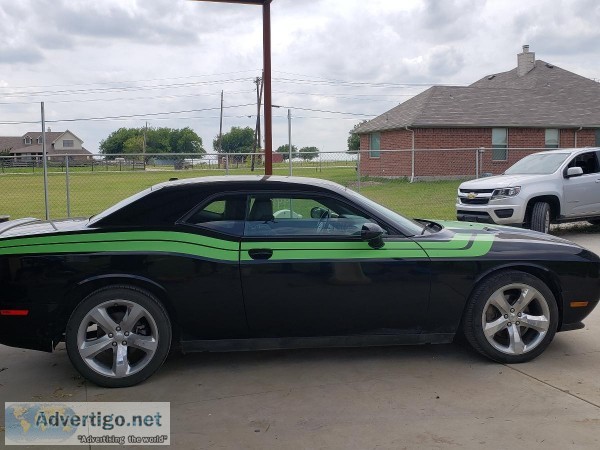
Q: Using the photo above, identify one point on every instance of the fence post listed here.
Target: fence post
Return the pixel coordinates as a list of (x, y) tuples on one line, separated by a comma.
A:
[(68, 186), (226, 163), (476, 163)]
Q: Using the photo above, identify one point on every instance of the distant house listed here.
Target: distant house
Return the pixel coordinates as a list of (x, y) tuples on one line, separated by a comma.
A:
[(533, 106), (29, 145)]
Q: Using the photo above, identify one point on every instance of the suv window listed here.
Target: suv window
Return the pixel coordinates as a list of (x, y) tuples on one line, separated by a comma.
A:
[(587, 161), (225, 214), (302, 215)]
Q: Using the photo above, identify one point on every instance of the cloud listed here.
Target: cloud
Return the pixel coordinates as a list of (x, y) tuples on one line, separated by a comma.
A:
[(16, 55), (78, 42)]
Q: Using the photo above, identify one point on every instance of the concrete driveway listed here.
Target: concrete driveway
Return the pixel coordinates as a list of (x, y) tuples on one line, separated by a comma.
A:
[(430, 397)]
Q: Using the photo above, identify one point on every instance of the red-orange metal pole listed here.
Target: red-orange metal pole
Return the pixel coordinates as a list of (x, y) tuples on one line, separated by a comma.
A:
[(267, 87)]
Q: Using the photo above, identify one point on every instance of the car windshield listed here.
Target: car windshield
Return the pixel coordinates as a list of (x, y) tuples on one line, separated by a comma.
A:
[(538, 164), (410, 226)]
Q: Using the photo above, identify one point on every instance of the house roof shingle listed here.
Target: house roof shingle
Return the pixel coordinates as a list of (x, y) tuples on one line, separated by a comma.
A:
[(547, 96), (16, 145)]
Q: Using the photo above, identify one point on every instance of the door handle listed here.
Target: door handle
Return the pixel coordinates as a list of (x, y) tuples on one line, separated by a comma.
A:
[(260, 253)]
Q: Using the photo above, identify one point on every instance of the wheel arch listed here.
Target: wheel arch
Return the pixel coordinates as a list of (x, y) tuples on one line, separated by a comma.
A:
[(538, 271), (89, 285), (551, 199)]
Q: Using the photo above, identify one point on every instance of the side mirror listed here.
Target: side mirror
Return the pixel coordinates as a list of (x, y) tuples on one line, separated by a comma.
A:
[(372, 233), (574, 172)]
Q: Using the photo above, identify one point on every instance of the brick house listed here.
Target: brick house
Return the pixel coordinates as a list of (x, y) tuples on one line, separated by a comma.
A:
[(29, 146), (510, 115)]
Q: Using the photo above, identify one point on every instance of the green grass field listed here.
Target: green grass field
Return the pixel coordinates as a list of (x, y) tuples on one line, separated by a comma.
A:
[(22, 194)]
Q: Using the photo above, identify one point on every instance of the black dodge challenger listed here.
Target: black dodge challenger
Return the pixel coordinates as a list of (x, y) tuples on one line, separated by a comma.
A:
[(249, 263)]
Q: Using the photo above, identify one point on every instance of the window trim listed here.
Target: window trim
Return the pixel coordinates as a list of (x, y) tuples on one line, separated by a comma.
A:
[(72, 141), (371, 150), (498, 146), (550, 146)]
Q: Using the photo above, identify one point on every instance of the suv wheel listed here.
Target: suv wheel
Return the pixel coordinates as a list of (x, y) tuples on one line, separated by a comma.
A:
[(540, 217)]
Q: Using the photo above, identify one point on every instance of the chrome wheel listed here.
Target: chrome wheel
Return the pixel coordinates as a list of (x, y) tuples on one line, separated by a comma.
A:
[(515, 319), (117, 338)]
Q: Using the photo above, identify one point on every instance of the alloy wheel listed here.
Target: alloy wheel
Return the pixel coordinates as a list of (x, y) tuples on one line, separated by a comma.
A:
[(117, 338), (515, 319)]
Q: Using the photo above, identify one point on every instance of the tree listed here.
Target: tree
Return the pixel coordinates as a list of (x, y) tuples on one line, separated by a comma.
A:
[(285, 151), (135, 144), (354, 139), (308, 153), (115, 142), (237, 140), (158, 140)]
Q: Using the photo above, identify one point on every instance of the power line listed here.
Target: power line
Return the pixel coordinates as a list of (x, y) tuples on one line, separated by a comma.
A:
[(126, 89), (127, 116), (159, 97), (128, 81)]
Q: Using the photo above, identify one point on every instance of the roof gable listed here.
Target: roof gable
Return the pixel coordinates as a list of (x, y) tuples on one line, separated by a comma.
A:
[(547, 96)]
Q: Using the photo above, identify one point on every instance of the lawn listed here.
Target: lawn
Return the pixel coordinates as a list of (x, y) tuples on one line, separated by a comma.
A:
[(22, 194)]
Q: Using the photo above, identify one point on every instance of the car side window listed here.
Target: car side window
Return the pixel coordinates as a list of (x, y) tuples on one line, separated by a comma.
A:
[(587, 161), (225, 214), (302, 215)]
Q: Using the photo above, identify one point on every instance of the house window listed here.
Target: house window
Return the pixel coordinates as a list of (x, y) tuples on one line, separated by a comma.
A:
[(68, 143), (551, 137), (499, 144), (39, 140), (597, 144), (374, 145), (27, 140)]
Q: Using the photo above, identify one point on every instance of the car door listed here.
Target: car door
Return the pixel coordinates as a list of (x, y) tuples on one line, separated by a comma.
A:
[(306, 272), (582, 193), (206, 289)]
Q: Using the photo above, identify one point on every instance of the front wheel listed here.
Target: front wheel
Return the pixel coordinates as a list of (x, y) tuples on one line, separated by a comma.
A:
[(118, 336), (540, 217), (511, 317)]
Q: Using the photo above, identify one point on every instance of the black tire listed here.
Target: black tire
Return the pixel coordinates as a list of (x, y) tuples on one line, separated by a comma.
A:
[(474, 319), (540, 217), (146, 340)]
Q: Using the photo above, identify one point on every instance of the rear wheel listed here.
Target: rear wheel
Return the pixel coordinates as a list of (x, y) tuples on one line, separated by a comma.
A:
[(511, 317), (540, 217), (118, 336)]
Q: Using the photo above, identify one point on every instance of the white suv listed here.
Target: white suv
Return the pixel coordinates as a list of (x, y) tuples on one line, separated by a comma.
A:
[(547, 187)]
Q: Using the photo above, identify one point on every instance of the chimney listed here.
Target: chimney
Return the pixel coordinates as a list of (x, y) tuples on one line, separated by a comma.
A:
[(526, 61), (49, 130)]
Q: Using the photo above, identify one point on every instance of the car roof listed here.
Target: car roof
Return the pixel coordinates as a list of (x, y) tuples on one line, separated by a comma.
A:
[(570, 150), (246, 179)]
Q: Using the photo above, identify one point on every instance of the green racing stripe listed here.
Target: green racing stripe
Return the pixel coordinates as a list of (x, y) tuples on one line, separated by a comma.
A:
[(462, 245)]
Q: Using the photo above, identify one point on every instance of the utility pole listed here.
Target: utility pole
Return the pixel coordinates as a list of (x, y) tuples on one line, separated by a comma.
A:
[(259, 90)]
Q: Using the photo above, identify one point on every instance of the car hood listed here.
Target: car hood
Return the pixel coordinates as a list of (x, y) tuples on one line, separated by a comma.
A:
[(503, 232), (30, 226), (501, 181)]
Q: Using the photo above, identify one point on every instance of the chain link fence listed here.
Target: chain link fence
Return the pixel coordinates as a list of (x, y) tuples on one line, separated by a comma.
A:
[(417, 183)]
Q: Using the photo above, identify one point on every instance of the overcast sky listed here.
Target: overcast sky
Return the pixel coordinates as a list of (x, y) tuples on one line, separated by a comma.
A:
[(94, 59)]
